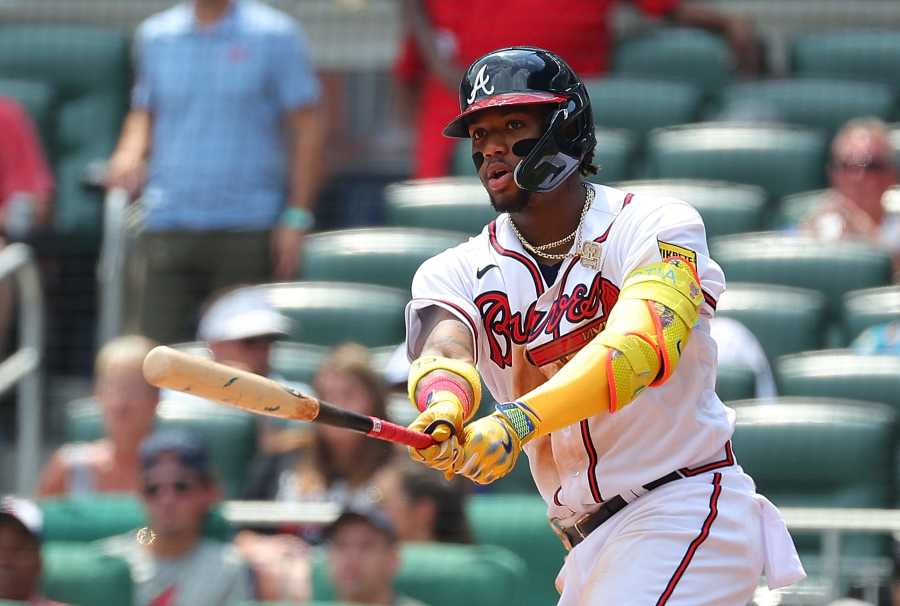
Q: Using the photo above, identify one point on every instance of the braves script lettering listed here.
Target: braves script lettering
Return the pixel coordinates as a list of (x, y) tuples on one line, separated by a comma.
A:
[(505, 327)]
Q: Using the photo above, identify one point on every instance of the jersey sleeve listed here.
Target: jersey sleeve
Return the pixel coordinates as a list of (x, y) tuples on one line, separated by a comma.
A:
[(447, 282), (671, 228)]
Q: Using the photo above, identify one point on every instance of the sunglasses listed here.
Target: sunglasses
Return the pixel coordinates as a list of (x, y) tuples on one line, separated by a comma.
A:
[(179, 487), (257, 341), (873, 165)]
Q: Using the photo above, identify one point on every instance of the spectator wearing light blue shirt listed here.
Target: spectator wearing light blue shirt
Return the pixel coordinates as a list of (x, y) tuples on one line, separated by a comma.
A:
[(225, 138)]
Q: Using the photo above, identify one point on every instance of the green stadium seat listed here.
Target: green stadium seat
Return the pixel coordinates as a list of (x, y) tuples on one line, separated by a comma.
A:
[(687, 55), (781, 159), (832, 268), (331, 313), (297, 362), (230, 434), (868, 307), (841, 374), (79, 574), (820, 452), (815, 103), (519, 523), (872, 56), (638, 105), (794, 209), (87, 68), (455, 203), (92, 517), (614, 155), (785, 320), (735, 382), (726, 208), (388, 256), (441, 574)]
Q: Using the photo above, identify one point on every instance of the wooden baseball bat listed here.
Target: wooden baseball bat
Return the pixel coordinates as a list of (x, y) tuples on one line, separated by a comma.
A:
[(172, 369)]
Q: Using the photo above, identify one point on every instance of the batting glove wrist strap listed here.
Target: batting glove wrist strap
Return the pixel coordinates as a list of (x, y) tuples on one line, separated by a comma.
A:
[(431, 374)]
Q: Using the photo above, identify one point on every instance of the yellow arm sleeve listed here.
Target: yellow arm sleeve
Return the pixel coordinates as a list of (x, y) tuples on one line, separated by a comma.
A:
[(640, 346)]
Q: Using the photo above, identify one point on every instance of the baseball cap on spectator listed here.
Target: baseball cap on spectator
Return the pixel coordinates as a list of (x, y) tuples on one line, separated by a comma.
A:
[(187, 447), (371, 516), (242, 314), (24, 513)]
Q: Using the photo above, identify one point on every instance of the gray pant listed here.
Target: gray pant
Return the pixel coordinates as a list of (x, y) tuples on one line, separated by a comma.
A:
[(175, 272)]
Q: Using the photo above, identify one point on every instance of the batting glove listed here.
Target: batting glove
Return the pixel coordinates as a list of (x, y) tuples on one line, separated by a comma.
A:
[(443, 419), (491, 445)]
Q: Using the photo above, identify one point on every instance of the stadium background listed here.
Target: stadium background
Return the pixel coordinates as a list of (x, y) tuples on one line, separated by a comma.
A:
[(659, 113)]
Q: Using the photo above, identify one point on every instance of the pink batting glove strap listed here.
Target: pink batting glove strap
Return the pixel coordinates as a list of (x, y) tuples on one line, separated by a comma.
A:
[(443, 384)]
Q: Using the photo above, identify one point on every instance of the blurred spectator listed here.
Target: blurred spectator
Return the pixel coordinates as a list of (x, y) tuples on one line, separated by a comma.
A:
[(421, 504), (20, 552), (340, 465), (737, 346), (442, 40), (878, 339), (861, 171), (225, 128), (128, 404), (363, 558), (176, 565)]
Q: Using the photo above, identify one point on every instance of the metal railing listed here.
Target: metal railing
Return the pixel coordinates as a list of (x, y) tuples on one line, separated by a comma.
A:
[(112, 265), (23, 367)]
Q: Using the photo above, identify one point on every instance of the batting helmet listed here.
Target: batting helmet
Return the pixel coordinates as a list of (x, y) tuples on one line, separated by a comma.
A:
[(523, 75)]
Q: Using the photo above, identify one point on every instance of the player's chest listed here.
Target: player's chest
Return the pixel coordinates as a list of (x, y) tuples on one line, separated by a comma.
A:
[(520, 313)]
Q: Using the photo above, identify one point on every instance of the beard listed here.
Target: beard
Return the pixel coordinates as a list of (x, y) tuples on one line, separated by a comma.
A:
[(512, 204)]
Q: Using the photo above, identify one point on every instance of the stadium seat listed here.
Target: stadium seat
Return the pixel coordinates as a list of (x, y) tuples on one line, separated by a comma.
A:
[(815, 103), (519, 523), (841, 374), (781, 159), (331, 313), (91, 517), (832, 268), (735, 382), (792, 210), (87, 69), (388, 256), (455, 203), (229, 434), (297, 362), (785, 320), (639, 105), (442, 574), (686, 55), (872, 56), (614, 155), (82, 575), (820, 452), (868, 307), (726, 208)]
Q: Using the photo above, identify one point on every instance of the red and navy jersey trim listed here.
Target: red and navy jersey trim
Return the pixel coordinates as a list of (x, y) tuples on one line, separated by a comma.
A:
[(592, 461), (530, 265), (695, 544), (726, 462)]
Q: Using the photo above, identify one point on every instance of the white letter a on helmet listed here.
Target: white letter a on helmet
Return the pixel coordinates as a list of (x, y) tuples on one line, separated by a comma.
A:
[(481, 83)]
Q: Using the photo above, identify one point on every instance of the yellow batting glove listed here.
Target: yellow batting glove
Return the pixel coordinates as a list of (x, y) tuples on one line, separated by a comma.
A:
[(443, 419), (491, 445)]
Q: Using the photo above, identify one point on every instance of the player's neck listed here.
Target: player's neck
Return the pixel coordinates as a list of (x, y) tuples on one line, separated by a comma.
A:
[(552, 215)]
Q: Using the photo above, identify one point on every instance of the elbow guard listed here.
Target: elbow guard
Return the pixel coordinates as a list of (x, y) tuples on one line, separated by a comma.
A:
[(649, 327)]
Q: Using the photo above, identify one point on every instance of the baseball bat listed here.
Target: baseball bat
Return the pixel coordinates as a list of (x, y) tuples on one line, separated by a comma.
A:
[(172, 369)]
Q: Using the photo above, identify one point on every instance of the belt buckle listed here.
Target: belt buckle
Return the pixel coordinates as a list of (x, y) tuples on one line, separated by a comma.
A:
[(561, 533)]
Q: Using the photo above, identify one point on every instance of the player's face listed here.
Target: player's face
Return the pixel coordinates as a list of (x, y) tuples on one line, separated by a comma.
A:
[(494, 132)]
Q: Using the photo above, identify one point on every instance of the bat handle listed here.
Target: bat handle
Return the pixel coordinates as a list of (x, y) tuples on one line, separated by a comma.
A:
[(385, 430)]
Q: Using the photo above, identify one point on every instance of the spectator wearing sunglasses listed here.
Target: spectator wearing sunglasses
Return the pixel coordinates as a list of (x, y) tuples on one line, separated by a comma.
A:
[(174, 564), (861, 171)]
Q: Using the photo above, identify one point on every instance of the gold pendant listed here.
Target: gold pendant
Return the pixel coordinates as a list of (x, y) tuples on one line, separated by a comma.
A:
[(590, 253)]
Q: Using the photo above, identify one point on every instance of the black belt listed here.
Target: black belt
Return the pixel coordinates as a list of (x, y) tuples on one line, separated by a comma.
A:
[(575, 534)]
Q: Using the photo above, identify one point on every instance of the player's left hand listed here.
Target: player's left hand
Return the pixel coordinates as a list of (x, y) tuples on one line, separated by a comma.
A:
[(491, 447), (286, 246)]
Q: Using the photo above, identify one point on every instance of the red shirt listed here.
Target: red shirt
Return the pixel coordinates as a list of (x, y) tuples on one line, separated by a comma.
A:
[(22, 164)]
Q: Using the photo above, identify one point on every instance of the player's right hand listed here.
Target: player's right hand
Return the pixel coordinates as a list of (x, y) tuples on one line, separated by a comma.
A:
[(443, 419)]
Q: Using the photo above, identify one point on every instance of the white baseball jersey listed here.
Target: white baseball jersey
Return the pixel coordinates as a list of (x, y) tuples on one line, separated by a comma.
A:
[(524, 330)]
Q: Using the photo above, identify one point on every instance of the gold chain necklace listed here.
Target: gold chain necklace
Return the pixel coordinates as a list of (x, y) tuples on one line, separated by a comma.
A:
[(575, 235)]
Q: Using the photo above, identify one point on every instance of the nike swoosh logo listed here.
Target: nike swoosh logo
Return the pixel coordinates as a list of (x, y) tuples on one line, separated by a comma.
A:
[(507, 443), (484, 270), (678, 346)]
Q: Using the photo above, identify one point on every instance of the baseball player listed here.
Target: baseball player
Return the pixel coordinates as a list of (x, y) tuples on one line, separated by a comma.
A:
[(585, 310)]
